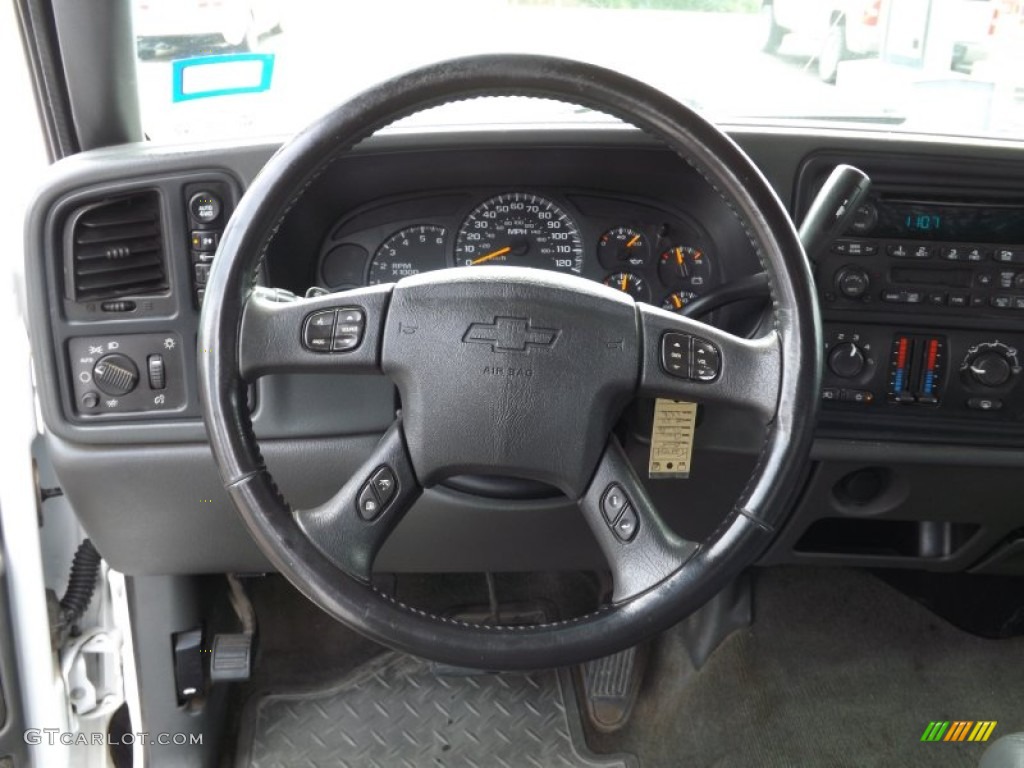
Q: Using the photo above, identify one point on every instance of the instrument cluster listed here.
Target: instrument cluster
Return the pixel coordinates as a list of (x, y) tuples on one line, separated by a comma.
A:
[(657, 256)]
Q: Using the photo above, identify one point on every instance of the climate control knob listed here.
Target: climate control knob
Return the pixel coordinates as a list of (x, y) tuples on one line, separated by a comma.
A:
[(115, 374), (846, 360), (852, 282), (990, 369)]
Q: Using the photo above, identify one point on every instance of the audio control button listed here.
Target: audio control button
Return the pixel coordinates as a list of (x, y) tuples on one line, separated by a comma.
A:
[(1009, 255), (852, 282), (959, 299), (984, 404), (898, 251)]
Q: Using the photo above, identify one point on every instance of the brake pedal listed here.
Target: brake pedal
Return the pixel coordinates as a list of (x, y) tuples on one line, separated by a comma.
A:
[(610, 688)]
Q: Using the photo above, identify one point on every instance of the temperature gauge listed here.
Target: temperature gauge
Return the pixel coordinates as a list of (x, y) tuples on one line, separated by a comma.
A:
[(621, 246), (627, 282), (683, 266)]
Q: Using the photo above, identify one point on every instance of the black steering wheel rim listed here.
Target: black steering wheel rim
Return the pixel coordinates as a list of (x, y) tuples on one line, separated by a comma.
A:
[(745, 532)]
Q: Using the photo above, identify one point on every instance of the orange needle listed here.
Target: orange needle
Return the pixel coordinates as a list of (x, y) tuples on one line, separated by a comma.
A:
[(492, 255), (633, 242), (625, 281), (677, 301), (679, 255)]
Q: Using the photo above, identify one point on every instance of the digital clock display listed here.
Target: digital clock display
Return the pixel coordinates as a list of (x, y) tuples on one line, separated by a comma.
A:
[(945, 222)]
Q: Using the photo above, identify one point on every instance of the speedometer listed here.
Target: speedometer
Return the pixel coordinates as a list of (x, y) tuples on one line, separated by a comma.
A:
[(520, 229)]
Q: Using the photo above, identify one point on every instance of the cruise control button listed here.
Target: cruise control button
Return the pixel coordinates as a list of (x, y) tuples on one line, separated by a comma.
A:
[(318, 331), (613, 502), (384, 483), (627, 524), (675, 354), (367, 504)]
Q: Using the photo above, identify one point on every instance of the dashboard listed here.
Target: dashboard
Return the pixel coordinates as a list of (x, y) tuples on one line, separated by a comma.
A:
[(654, 254), (916, 462)]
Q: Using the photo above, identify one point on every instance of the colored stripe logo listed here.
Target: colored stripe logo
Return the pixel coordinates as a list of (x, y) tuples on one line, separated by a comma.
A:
[(959, 730)]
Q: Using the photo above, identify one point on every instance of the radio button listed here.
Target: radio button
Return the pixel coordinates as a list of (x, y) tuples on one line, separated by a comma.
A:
[(892, 297), (1006, 279), (922, 252), (898, 251), (984, 404), (1018, 302), (959, 299), (975, 254), (938, 299), (984, 279), (912, 297), (1001, 302), (1008, 256), (954, 254)]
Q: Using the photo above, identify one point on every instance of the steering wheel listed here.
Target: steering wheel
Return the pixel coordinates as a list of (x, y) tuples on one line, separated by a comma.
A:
[(509, 371)]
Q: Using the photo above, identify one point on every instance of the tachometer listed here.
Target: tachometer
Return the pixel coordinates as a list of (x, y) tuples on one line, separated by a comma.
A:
[(408, 252), (520, 229)]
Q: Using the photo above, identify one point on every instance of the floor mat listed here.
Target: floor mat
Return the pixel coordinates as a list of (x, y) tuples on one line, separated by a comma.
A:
[(839, 670), (395, 712)]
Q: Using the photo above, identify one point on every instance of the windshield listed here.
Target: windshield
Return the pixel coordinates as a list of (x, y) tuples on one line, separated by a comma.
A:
[(247, 68)]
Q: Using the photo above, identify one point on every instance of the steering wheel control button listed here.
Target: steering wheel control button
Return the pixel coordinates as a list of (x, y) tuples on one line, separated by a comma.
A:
[(367, 504), (319, 331), (384, 483), (613, 502), (675, 354), (705, 361), (334, 330), (627, 525), (689, 357), (205, 207)]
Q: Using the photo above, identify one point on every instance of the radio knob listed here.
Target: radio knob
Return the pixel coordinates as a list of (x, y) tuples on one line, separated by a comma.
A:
[(990, 369), (846, 360), (852, 282)]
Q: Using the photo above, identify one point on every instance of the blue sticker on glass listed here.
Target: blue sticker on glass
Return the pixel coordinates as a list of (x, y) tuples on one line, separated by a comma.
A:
[(204, 77)]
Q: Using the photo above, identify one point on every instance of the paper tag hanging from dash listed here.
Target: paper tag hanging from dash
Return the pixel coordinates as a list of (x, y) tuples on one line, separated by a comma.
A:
[(672, 439)]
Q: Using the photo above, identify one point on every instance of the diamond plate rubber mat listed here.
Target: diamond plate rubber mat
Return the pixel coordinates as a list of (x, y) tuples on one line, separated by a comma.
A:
[(397, 712)]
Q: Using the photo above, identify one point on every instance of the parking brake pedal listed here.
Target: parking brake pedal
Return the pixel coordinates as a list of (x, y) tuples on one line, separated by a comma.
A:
[(610, 688), (231, 660)]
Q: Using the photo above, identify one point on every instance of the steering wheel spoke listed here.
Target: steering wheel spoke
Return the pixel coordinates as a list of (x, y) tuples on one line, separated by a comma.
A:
[(351, 526), (640, 549), (685, 359), (337, 332)]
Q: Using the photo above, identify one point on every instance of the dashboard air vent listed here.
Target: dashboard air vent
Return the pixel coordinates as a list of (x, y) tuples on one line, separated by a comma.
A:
[(116, 248)]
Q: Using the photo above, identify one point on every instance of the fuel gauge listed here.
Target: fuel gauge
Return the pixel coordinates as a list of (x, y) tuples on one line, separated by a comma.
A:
[(630, 283), (686, 267)]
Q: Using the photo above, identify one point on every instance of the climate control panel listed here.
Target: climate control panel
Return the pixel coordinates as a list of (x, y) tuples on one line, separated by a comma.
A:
[(956, 372), (127, 373)]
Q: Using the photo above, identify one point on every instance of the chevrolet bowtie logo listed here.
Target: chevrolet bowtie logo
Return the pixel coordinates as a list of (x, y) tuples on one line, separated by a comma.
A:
[(510, 334)]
